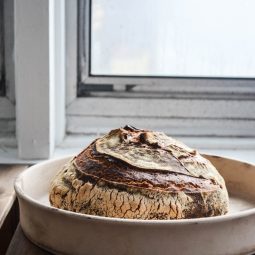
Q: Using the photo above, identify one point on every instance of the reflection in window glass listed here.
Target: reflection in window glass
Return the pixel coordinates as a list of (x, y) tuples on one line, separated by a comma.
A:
[(173, 38)]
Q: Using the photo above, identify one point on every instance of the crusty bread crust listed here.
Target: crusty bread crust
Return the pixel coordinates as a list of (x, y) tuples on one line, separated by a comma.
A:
[(108, 179), (99, 198)]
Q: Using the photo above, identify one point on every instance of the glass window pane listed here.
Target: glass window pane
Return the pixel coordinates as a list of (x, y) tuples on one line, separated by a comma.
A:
[(173, 38)]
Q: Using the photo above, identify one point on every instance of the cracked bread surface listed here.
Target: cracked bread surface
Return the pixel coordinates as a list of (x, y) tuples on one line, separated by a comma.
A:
[(140, 174)]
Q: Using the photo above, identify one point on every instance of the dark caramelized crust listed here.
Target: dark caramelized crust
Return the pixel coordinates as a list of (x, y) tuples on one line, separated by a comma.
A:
[(93, 165)]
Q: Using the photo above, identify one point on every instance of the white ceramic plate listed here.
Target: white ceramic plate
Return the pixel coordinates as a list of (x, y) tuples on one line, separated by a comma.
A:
[(64, 232)]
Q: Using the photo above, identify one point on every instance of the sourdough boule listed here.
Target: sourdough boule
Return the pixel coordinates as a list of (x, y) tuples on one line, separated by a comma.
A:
[(140, 174)]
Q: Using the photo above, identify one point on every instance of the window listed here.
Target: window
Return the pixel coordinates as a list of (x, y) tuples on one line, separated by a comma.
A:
[(147, 86), (166, 39), (165, 65), (163, 38)]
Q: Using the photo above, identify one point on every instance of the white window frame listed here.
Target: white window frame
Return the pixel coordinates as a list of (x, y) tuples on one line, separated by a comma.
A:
[(50, 116), (39, 76)]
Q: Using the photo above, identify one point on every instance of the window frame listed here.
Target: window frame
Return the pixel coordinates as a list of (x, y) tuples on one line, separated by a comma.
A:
[(87, 113), (172, 83), (47, 122), (40, 94)]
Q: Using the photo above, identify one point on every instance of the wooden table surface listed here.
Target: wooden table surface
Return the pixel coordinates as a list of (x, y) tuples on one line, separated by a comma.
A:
[(8, 174), (9, 212), (20, 245)]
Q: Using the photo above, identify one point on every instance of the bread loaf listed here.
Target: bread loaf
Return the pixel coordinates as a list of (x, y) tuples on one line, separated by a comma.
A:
[(140, 174)]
